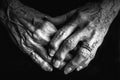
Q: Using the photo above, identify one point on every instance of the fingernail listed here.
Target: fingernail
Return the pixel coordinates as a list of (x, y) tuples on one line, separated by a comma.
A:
[(57, 64), (52, 53), (47, 67), (50, 68), (79, 68), (68, 70)]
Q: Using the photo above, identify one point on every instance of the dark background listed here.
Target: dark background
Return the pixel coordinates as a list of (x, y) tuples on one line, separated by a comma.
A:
[(104, 66)]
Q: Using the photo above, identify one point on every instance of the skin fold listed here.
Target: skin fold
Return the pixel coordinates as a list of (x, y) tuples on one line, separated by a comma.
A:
[(49, 41)]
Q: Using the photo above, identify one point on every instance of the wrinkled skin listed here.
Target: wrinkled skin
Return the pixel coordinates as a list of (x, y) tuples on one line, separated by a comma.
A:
[(72, 45)]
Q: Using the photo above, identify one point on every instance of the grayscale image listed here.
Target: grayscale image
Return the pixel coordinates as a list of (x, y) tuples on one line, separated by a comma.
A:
[(75, 38)]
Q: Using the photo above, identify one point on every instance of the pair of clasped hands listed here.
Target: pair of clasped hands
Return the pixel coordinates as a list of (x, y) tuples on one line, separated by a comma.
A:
[(71, 46)]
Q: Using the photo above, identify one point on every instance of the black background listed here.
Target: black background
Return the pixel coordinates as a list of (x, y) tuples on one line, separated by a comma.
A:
[(104, 66)]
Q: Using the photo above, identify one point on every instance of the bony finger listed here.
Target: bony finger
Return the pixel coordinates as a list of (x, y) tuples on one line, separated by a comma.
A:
[(41, 62), (87, 56), (76, 62), (79, 61), (61, 35), (85, 63), (38, 47), (59, 62)]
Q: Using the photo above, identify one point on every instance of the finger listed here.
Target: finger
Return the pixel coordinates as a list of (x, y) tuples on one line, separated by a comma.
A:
[(78, 61), (60, 36), (41, 62), (38, 47), (88, 54), (36, 57)]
